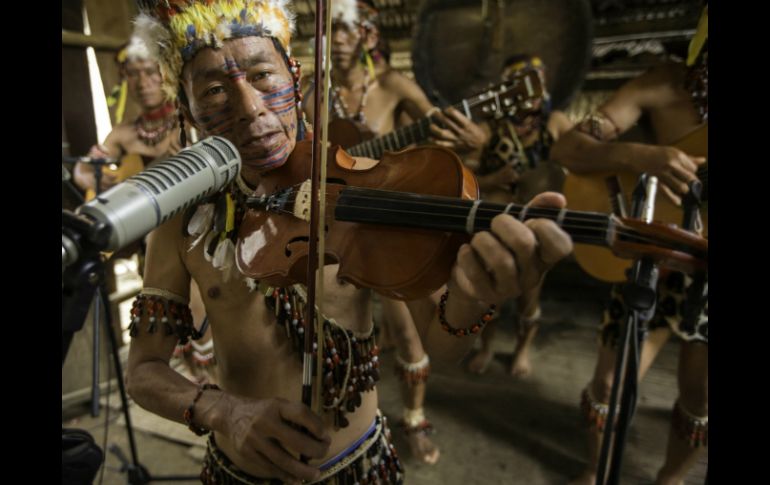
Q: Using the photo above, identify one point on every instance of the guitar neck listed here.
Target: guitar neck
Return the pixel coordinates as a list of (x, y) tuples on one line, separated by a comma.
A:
[(417, 132), (395, 140)]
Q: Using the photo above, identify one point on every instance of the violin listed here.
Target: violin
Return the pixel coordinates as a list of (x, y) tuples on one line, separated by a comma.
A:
[(395, 226)]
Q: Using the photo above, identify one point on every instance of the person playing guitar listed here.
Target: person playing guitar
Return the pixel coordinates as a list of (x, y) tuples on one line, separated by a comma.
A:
[(153, 134), (513, 166), (675, 96)]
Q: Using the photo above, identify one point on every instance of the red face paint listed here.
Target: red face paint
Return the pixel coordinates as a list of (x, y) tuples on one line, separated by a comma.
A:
[(245, 92)]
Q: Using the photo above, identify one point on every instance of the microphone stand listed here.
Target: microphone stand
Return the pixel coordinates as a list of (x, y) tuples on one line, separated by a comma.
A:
[(639, 296), (100, 291), (81, 280)]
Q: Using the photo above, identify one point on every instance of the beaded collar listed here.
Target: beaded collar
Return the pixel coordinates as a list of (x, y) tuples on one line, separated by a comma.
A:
[(341, 109), (152, 127), (697, 83)]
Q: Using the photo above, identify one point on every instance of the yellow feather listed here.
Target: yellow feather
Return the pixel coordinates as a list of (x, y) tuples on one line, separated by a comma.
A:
[(121, 109), (699, 39)]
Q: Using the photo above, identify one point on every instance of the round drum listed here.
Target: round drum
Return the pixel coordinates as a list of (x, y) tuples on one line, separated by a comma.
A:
[(460, 45)]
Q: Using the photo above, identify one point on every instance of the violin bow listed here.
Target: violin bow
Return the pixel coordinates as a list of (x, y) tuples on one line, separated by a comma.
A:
[(315, 273)]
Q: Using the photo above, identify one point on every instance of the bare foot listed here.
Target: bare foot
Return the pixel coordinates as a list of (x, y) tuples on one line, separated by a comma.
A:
[(585, 478), (422, 447), (521, 367), (479, 363)]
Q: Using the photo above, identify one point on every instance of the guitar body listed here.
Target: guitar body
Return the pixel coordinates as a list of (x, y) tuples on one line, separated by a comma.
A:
[(589, 193), (130, 164), (347, 133)]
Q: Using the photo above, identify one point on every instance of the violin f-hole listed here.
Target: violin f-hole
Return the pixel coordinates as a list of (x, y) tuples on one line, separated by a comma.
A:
[(298, 239)]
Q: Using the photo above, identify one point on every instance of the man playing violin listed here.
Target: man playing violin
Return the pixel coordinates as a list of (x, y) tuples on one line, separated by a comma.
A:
[(229, 61), (675, 96)]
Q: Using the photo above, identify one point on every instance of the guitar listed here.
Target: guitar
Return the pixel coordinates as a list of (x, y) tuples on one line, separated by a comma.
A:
[(504, 99), (590, 192), (129, 165)]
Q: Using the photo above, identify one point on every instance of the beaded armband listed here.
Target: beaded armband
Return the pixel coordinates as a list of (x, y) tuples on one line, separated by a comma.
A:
[(166, 310), (599, 126)]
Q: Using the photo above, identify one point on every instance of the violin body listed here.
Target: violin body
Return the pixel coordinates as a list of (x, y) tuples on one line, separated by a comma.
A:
[(398, 262), (395, 226)]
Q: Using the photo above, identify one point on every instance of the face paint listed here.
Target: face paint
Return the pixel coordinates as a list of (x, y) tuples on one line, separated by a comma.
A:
[(245, 92), (279, 101), (144, 83), (216, 122)]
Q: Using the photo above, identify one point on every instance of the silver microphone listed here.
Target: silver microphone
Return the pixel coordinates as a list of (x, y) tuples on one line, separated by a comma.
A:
[(148, 199)]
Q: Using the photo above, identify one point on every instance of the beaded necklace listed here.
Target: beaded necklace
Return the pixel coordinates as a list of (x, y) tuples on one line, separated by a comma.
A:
[(152, 127), (697, 83), (350, 361), (341, 109)]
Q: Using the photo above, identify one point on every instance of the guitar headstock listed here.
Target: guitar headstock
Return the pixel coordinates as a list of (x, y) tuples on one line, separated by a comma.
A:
[(508, 98)]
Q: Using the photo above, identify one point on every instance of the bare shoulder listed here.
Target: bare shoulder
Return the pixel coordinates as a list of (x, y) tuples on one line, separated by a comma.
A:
[(121, 138), (658, 86), (414, 101), (655, 90), (558, 124), (164, 266), (124, 132), (392, 80)]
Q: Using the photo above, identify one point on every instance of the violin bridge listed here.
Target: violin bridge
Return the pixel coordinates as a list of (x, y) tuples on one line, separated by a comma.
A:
[(302, 202)]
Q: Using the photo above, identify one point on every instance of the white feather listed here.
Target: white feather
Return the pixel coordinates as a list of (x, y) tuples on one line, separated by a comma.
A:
[(148, 36), (251, 283), (206, 242), (346, 11), (200, 223), (224, 257)]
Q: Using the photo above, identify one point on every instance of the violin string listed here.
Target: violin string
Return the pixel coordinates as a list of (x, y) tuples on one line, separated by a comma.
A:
[(590, 219), (629, 235)]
